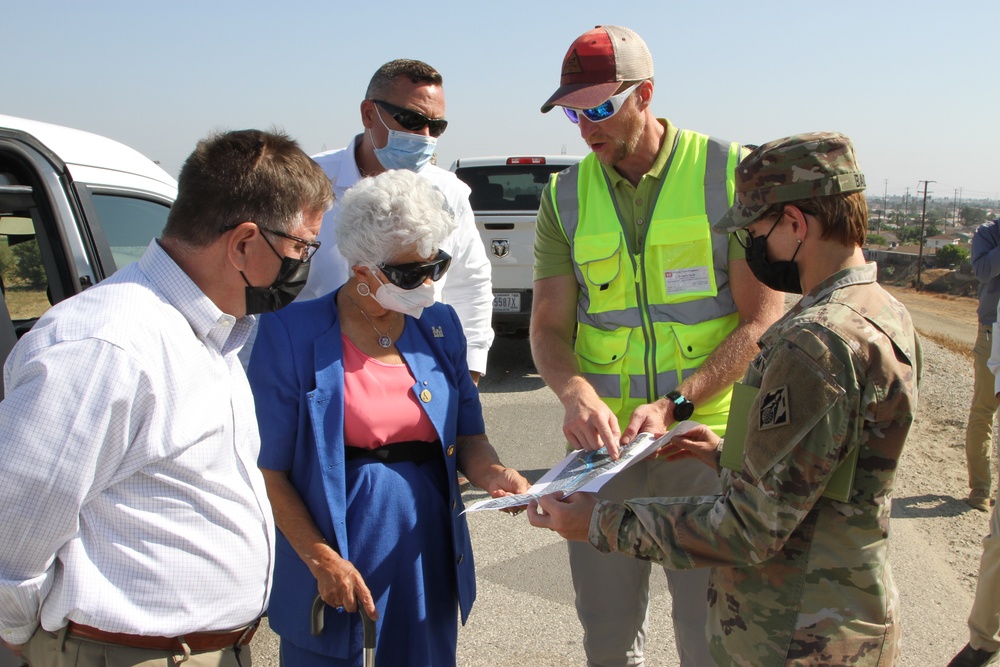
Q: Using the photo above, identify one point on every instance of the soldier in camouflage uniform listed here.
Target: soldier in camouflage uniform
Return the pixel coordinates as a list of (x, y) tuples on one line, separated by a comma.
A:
[(798, 578)]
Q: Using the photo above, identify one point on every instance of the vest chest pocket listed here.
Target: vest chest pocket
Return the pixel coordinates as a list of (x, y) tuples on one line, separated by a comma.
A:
[(679, 262), (601, 258), (694, 344)]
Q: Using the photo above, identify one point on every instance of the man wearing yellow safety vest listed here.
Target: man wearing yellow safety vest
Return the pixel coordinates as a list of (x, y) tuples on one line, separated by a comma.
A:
[(641, 315)]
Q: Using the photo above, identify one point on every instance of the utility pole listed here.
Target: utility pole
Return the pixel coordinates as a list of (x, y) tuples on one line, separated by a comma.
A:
[(923, 213), (885, 213), (954, 210)]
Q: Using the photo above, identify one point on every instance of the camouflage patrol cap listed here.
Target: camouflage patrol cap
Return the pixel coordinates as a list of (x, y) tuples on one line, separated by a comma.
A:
[(798, 167)]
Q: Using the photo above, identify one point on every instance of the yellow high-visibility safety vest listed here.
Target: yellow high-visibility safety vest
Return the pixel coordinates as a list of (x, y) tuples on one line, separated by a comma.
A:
[(648, 317)]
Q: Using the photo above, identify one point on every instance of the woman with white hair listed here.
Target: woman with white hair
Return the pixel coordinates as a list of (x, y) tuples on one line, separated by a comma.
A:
[(367, 412)]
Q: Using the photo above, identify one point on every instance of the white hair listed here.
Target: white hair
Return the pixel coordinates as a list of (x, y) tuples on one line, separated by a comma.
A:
[(388, 215)]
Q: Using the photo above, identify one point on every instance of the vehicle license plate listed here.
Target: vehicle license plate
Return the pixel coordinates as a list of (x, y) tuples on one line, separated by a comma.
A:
[(507, 302)]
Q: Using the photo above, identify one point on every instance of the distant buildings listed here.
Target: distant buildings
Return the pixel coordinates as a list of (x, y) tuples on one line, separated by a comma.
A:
[(941, 240)]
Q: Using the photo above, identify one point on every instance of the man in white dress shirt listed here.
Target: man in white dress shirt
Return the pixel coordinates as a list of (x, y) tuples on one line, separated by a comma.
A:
[(403, 114), (135, 522)]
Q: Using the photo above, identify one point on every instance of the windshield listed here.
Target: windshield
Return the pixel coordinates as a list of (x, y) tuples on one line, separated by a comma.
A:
[(507, 187)]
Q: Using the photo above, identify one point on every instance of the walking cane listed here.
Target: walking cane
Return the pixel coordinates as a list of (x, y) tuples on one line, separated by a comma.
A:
[(316, 625)]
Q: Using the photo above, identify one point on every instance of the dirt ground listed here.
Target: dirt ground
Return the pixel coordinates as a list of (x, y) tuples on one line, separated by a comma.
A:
[(945, 318), (932, 482), (936, 538)]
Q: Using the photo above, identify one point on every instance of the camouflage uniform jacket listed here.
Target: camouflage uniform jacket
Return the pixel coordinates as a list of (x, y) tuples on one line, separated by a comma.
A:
[(799, 578)]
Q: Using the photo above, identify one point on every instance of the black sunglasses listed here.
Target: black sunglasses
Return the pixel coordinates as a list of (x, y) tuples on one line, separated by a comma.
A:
[(412, 120), (412, 276)]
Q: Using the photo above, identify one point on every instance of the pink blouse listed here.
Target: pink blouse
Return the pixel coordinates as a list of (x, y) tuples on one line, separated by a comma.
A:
[(379, 404)]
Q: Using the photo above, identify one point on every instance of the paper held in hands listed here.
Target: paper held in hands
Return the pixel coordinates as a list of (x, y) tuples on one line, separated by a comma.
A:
[(586, 471)]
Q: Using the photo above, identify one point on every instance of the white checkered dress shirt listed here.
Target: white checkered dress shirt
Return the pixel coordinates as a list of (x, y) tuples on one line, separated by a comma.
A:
[(130, 498)]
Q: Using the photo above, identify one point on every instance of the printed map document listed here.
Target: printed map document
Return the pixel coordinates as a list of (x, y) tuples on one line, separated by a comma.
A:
[(586, 471)]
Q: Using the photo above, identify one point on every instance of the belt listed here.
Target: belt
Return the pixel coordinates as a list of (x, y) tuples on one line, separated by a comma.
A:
[(194, 642), (416, 451)]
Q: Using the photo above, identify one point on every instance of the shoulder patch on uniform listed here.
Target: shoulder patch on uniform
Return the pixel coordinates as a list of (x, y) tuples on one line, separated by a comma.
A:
[(774, 409), (815, 342)]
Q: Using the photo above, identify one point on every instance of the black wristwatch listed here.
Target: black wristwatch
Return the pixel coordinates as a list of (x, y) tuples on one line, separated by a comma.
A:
[(683, 408)]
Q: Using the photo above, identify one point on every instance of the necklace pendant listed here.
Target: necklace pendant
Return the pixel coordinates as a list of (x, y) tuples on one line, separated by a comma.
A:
[(385, 341)]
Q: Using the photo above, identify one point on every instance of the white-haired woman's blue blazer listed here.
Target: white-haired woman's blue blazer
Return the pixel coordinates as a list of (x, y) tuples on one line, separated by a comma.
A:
[(297, 374)]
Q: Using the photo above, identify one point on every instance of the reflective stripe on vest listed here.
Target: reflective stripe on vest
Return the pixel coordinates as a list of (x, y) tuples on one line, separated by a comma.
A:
[(647, 319)]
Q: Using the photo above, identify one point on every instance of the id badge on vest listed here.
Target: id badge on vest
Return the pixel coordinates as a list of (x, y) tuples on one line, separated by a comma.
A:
[(680, 252)]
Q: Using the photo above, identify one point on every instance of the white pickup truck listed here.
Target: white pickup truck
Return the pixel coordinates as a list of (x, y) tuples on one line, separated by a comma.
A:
[(506, 192), (74, 208)]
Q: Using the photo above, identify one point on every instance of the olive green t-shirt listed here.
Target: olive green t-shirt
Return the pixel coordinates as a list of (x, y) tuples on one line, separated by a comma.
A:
[(553, 255)]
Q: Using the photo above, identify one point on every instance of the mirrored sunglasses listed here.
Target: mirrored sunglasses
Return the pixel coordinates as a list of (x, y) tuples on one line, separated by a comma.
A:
[(414, 121), (413, 275), (604, 111)]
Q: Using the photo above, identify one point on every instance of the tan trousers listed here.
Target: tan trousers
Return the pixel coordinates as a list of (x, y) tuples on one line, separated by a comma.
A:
[(979, 433), (57, 649), (612, 590), (984, 621)]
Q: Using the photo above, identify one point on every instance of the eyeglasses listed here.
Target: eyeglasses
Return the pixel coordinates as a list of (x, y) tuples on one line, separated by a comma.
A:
[(745, 238), (603, 111), (306, 249), (414, 121), (413, 275)]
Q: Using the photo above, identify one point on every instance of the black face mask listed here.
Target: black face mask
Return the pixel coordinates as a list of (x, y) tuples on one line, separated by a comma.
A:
[(291, 279), (782, 276)]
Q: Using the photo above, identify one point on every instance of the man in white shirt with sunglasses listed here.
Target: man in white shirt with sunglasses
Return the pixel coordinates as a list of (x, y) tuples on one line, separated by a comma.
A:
[(403, 114)]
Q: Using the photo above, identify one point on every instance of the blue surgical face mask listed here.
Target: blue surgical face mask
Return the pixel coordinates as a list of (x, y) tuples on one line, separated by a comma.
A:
[(404, 150)]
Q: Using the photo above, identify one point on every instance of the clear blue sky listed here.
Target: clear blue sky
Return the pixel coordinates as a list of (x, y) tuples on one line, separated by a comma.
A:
[(915, 84)]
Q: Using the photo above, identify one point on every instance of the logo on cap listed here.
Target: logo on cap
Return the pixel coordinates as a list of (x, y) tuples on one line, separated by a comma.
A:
[(572, 64)]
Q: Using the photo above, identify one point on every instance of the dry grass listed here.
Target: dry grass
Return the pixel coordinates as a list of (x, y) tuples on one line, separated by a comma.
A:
[(25, 304), (946, 342)]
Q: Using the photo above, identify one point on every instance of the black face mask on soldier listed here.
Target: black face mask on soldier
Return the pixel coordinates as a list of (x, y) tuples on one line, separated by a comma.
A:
[(291, 279), (781, 276)]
